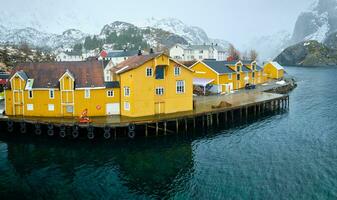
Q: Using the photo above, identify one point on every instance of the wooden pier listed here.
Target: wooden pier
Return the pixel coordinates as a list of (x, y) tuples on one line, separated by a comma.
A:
[(209, 111)]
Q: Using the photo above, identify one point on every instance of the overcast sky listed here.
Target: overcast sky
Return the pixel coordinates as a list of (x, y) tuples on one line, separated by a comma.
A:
[(234, 20)]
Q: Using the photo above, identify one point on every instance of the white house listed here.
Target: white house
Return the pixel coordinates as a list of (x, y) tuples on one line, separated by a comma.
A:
[(69, 56), (182, 52)]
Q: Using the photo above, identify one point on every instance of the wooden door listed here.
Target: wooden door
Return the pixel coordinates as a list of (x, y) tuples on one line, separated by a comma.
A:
[(18, 102)]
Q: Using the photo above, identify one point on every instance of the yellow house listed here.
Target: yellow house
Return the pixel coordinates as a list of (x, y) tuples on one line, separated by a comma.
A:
[(153, 84), (256, 75), (273, 70), (61, 89), (215, 73)]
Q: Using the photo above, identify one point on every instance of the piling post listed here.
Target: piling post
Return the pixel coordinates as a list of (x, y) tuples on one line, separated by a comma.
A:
[(246, 115), (225, 117), (194, 124), (255, 111), (203, 121), (217, 119), (115, 133), (165, 125), (185, 125), (177, 126), (232, 113), (157, 128), (146, 131), (211, 119)]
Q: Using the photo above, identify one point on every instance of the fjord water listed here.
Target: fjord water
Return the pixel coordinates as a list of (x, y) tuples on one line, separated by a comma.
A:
[(292, 155)]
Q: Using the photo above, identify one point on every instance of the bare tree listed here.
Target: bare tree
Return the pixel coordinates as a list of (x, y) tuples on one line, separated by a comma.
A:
[(253, 55), (234, 54)]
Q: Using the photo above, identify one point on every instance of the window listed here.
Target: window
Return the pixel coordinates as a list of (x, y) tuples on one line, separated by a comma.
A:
[(247, 74), (87, 93), (176, 71), (30, 107), (159, 91), (51, 107), (126, 91), (160, 72), (149, 71), (110, 93), (238, 77), (253, 74), (229, 76), (180, 87), (126, 106), (51, 94), (30, 94)]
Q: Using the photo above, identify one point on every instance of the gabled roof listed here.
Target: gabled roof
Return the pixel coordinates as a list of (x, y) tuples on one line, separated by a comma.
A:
[(245, 69), (116, 54), (133, 62), (219, 66), (47, 74), (138, 60), (277, 65)]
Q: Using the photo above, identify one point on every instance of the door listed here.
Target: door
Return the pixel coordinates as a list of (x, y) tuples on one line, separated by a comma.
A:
[(112, 109), (159, 108), (18, 102)]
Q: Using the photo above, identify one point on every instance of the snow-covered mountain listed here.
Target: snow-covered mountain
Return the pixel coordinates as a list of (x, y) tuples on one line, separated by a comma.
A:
[(317, 23), (193, 34), (37, 38)]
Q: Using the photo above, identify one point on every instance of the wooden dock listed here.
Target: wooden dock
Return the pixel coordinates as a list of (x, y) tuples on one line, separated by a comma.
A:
[(208, 111)]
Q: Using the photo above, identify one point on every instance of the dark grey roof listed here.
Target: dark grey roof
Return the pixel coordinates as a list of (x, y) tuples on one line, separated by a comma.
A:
[(116, 54), (4, 76), (219, 66), (245, 68), (230, 62), (112, 84), (23, 75)]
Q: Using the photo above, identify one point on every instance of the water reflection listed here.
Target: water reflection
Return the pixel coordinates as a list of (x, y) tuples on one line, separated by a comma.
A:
[(129, 169)]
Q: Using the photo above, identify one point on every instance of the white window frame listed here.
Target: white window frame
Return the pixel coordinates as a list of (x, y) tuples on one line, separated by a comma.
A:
[(51, 107), (180, 89), (150, 70), (177, 69), (126, 106), (87, 93), (159, 91), (230, 76), (30, 94), (51, 94), (127, 91), (30, 107), (109, 92)]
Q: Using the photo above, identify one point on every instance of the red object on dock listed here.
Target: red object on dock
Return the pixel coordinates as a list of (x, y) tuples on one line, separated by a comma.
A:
[(84, 117)]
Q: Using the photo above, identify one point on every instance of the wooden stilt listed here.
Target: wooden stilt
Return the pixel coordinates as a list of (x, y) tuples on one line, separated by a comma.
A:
[(165, 129), (146, 131), (194, 124), (115, 133), (211, 119), (157, 128), (217, 119), (203, 121), (177, 126), (246, 115), (186, 125), (232, 114)]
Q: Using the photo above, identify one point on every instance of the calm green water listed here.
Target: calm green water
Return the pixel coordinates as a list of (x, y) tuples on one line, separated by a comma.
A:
[(287, 156)]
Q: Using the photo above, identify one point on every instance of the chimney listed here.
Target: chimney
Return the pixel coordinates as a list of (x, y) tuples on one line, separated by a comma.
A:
[(151, 51)]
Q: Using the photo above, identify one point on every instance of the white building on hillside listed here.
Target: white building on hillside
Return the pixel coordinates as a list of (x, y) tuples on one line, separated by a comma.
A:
[(197, 52), (68, 56)]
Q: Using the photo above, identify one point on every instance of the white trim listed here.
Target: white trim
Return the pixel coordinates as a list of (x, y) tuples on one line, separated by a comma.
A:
[(184, 87), (51, 105), (126, 103), (113, 93), (67, 73), (89, 88), (30, 107), (151, 72), (121, 70), (199, 72), (174, 71), (53, 94), (87, 94), (16, 74)]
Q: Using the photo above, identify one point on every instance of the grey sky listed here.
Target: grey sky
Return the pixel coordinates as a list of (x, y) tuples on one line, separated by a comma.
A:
[(234, 20)]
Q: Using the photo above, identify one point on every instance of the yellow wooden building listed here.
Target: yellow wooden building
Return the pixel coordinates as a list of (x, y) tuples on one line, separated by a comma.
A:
[(226, 76), (273, 70), (61, 89), (153, 84)]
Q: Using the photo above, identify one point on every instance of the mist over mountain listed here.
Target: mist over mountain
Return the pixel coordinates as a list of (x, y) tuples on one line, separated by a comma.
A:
[(317, 23)]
